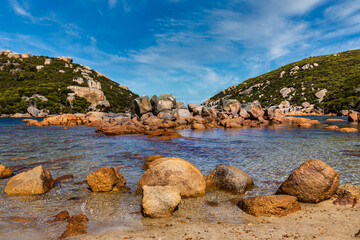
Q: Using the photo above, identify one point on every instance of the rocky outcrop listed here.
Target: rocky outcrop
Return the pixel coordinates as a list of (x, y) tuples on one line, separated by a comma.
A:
[(271, 205), (320, 95), (33, 182), (106, 179), (92, 95), (230, 179), (231, 105), (5, 172), (34, 112), (302, 122), (160, 201), (313, 182), (174, 172), (66, 59)]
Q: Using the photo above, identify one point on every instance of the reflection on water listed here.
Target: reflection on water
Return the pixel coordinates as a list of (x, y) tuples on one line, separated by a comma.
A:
[(268, 155)]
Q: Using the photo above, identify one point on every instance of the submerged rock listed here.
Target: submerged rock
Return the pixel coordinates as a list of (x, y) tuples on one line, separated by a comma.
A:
[(160, 201), (76, 226), (33, 182), (313, 182), (229, 178), (106, 179), (5, 172), (174, 172), (271, 205)]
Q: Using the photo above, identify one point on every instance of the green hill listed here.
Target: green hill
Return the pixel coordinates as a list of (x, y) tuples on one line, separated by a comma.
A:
[(44, 82), (338, 75)]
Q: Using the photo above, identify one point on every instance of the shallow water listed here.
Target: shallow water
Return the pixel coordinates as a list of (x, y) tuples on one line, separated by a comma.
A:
[(268, 155)]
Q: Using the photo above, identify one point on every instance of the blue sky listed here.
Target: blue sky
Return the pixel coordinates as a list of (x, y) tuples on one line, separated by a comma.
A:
[(191, 48)]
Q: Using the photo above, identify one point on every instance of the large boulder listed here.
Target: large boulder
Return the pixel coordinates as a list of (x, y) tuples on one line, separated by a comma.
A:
[(275, 115), (174, 172), (255, 110), (198, 123), (33, 111), (183, 113), (192, 107), (180, 105), (106, 179), (271, 205), (165, 102), (5, 172), (160, 201), (230, 179), (141, 105), (33, 182), (313, 182), (231, 105)]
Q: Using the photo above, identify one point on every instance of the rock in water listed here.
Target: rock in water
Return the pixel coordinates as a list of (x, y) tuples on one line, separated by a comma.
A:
[(174, 172), (106, 179), (33, 182), (229, 178), (313, 182), (272, 205), (160, 201), (5, 172), (76, 226)]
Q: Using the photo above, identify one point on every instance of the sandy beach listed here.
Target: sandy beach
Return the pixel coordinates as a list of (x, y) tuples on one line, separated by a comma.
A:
[(224, 220)]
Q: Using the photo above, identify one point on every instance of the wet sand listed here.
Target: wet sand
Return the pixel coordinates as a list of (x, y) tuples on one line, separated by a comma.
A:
[(314, 221)]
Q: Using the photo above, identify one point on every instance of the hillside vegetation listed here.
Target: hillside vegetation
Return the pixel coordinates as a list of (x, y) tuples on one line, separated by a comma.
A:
[(337, 76), (43, 82)]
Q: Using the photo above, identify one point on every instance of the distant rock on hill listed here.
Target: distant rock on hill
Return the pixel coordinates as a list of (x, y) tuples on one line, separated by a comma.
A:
[(41, 85), (331, 82)]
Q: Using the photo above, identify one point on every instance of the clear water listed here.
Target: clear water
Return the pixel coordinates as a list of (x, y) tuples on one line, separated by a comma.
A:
[(268, 155)]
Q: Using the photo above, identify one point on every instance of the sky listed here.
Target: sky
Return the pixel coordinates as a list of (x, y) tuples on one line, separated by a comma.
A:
[(190, 48)]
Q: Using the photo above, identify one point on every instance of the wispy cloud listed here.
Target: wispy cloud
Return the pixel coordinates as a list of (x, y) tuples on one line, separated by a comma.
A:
[(20, 10)]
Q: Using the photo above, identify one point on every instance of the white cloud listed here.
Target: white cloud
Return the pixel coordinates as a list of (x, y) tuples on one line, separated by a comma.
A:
[(20, 10)]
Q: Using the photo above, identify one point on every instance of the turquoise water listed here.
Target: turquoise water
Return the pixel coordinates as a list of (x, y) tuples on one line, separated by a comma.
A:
[(268, 155)]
